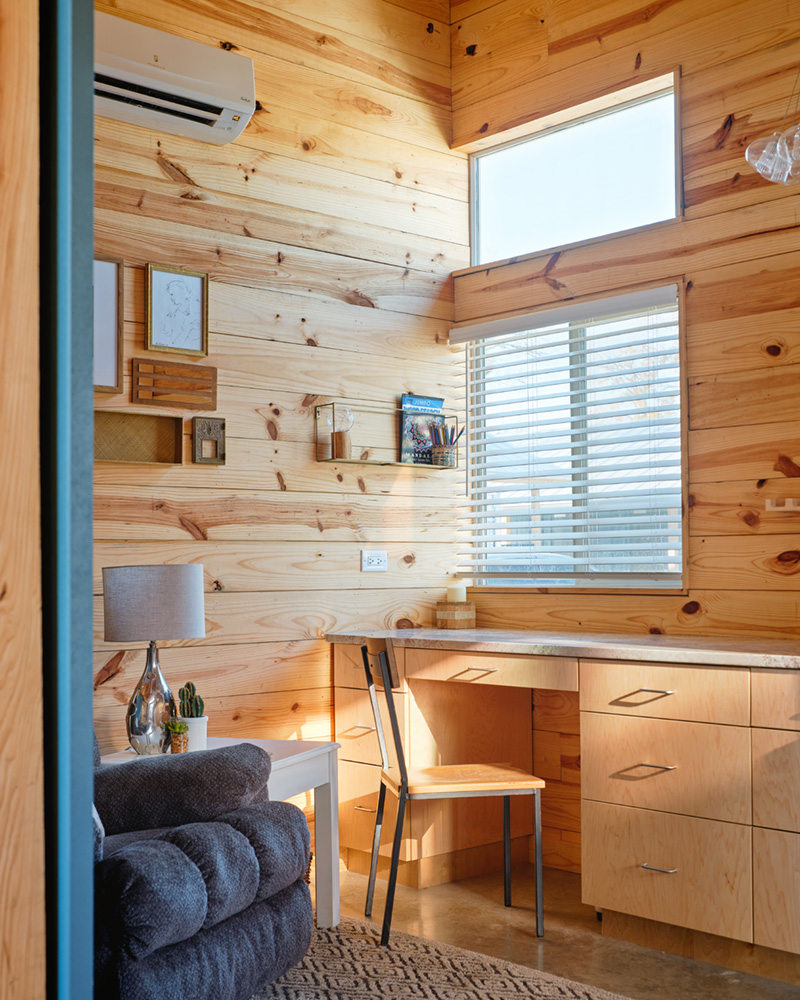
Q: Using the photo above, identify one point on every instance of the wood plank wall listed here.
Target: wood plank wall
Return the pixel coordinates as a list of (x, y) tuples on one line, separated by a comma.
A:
[(22, 909), (737, 248), (330, 230)]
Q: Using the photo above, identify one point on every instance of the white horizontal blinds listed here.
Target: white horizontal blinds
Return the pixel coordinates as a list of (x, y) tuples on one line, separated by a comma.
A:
[(574, 472)]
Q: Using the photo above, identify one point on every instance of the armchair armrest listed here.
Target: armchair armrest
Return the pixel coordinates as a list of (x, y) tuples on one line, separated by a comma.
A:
[(186, 788)]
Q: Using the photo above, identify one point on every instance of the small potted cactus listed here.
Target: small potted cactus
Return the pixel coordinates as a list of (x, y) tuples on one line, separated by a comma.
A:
[(178, 735), (191, 709)]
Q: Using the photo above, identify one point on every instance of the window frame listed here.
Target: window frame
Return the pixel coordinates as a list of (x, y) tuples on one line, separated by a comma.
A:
[(608, 104), (677, 590)]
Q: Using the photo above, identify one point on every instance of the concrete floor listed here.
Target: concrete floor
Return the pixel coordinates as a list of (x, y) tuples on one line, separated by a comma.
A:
[(470, 914)]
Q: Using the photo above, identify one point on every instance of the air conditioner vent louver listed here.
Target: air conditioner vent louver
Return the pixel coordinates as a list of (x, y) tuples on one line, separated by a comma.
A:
[(142, 102), (150, 78)]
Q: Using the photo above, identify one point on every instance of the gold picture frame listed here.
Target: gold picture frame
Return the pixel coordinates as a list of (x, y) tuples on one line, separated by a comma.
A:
[(108, 305), (177, 310)]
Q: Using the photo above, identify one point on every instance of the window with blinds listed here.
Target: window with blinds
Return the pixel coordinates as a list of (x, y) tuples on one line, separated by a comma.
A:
[(574, 460)]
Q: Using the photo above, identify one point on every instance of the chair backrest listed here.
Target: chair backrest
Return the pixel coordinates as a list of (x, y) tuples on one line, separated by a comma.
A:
[(376, 667)]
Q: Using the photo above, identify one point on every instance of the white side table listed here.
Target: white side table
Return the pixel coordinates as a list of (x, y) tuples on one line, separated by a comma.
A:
[(299, 766)]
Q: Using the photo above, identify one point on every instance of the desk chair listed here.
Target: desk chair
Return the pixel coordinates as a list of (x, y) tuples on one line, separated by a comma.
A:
[(445, 781)]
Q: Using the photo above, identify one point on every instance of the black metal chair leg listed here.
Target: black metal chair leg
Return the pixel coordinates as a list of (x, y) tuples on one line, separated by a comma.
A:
[(507, 849), (537, 830), (398, 838), (376, 843)]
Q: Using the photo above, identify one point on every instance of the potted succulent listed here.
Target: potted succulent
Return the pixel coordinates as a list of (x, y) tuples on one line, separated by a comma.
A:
[(192, 708), (178, 735)]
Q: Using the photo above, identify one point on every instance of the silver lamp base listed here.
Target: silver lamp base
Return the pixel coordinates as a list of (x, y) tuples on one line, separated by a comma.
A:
[(151, 706)]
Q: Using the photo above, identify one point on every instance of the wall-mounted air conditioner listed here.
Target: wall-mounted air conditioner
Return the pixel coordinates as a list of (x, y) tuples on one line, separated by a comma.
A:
[(161, 81)]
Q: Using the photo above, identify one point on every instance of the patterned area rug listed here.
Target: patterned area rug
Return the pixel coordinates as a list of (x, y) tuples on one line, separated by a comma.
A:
[(347, 963)]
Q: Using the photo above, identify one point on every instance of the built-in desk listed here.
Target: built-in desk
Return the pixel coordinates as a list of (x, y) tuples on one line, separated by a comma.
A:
[(688, 775)]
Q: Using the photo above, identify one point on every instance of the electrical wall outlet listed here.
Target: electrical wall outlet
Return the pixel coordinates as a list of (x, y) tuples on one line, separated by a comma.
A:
[(373, 561)]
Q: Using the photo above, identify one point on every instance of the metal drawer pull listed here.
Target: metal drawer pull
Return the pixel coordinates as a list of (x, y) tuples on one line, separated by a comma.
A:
[(363, 809), (656, 691), (369, 729), (485, 670), (652, 868), (659, 767)]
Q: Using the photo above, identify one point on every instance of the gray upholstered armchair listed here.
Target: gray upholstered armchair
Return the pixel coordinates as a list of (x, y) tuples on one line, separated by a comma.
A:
[(199, 879)]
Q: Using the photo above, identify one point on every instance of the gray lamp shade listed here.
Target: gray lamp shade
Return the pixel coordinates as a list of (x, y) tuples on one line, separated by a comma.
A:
[(144, 603)]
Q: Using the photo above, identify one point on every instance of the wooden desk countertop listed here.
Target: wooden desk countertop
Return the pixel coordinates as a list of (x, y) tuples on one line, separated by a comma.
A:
[(721, 651)]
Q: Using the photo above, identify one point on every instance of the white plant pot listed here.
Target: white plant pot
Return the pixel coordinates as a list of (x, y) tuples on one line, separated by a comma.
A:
[(197, 732)]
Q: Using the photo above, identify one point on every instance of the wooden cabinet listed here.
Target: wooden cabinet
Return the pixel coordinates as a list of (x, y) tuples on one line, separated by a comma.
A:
[(666, 794), (677, 767), (776, 889), (776, 699), (497, 669), (698, 872), (776, 808), (691, 769), (666, 691), (776, 779)]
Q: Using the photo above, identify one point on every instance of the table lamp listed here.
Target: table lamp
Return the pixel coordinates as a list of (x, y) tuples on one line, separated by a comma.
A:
[(149, 604)]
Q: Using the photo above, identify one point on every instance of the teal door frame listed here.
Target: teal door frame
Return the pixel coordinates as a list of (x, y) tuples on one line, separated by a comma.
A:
[(66, 254)]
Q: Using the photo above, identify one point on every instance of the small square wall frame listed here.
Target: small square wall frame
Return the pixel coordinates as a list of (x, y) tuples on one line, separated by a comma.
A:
[(208, 440), (141, 438)]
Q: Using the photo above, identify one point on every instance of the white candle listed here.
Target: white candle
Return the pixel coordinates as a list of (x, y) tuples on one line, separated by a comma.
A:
[(457, 593)]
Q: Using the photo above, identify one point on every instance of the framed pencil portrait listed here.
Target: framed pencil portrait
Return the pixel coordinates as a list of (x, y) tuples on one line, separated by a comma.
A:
[(107, 288), (177, 311)]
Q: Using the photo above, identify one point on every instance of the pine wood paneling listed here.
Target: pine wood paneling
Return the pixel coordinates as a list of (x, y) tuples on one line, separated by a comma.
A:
[(254, 567), (639, 256), (298, 140), (400, 27), (272, 315), (741, 398), (285, 467), (238, 259), (329, 231), (771, 562), (739, 508), (700, 612), (609, 46), (22, 910), (154, 512), (289, 36), (254, 617), (266, 220)]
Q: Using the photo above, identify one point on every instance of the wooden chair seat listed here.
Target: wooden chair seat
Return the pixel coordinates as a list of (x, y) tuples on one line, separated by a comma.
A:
[(444, 780)]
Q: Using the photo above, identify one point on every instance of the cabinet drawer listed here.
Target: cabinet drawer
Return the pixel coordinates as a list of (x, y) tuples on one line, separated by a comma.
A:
[(348, 666), (709, 888), (776, 889), (681, 767), (557, 672), (358, 801), (666, 691), (776, 779), (776, 699), (354, 724)]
